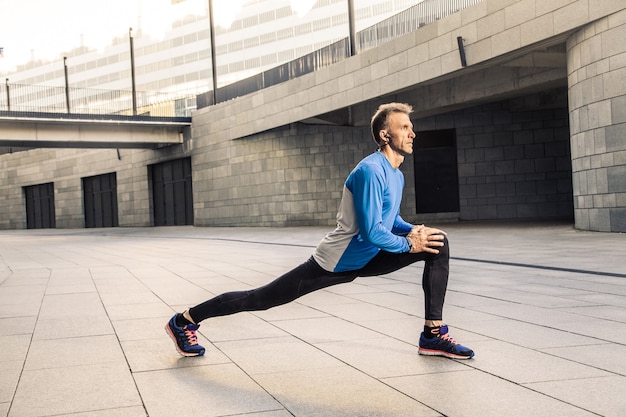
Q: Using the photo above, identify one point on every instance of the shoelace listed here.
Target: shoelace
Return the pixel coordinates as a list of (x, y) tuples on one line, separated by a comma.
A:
[(192, 337), (447, 338)]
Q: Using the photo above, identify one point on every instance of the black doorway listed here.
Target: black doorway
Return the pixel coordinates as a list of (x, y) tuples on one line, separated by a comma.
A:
[(436, 172), (40, 206), (172, 194), (100, 200)]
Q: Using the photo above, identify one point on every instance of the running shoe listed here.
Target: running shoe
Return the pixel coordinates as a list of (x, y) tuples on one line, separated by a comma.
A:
[(443, 345), (185, 338)]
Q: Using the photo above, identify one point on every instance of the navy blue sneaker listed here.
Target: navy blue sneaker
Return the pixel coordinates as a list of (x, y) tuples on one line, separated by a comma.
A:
[(185, 338), (444, 345)]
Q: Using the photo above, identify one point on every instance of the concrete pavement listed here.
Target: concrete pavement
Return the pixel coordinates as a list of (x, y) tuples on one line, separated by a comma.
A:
[(82, 315)]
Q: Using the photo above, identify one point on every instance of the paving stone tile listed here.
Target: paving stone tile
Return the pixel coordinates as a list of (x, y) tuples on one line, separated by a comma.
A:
[(408, 304), (326, 329), (78, 326), (605, 396), (208, 278), (23, 295), (160, 353), (74, 389), (290, 311), (74, 351), (547, 288), (527, 298), (174, 291), (470, 299), (606, 312), (397, 287), (135, 297), (474, 393), (601, 329), (529, 365), (602, 298), (118, 284), (14, 347), (141, 328), (17, 325), (357, 313), (386, 357), (526, 313), (27, 280), (214, 390), (323, 298), (10, 374), (63, 306), (535, 336), (30, 308), (279, 354), (71, 289), (137, 311), (137, 411), (406, 330), (239, 327), (70, 281), (338, 392), (359, 286), (607, 356), (277, 413)]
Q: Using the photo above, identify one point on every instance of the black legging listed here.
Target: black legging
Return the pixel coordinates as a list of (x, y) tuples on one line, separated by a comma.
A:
[(309, 277)]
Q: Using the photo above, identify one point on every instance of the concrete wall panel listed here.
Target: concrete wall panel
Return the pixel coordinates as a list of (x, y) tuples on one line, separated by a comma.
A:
[(597, 92)]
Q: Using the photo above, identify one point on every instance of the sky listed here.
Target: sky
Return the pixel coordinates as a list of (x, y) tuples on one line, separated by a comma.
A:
[(43, 29)]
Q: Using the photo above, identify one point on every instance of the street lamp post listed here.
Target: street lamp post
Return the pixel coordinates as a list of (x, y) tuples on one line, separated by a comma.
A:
[(213, 57), (8, 95), (132, 70), (67, 86), (351, 27)]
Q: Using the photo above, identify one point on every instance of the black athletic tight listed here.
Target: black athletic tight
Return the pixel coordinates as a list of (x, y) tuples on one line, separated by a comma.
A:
[(309, 277)]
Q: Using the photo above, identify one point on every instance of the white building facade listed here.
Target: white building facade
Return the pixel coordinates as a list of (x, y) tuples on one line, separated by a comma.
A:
[(264, 34)]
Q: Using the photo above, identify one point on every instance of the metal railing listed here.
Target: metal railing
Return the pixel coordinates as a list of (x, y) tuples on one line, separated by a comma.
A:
[(408, 21), (311, 62), (34, 99), (400, 24)]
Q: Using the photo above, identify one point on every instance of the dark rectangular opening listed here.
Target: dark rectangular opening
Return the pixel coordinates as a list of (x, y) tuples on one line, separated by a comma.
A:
[(436, 172), (172, 193), (100, 200), (40, 213)]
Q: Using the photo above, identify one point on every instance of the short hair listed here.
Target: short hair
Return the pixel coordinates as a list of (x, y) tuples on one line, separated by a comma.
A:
[(379, 120)]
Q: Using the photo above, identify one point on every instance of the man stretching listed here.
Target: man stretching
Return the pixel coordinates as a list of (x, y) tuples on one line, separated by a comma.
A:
[(370, 239)]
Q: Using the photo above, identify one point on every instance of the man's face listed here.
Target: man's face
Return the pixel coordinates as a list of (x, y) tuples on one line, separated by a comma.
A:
[(400, 133)]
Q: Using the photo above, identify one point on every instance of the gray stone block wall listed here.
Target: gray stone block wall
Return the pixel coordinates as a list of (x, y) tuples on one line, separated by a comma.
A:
[(513, 158), (66, 168), (597, 91), (513, 162), (284, 177)]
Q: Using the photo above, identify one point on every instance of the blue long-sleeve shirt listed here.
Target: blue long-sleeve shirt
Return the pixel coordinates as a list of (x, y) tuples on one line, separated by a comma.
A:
[(368, 219)]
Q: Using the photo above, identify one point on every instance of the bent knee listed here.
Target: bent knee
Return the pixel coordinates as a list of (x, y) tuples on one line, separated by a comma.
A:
[(445, 249)]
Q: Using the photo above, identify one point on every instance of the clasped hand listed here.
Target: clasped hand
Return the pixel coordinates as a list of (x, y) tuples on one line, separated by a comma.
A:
[(426, 239)]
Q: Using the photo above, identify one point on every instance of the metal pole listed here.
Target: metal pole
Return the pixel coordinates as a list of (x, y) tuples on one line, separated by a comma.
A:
[(213, 57), (67, 86), (132, 70), (8, 96), (351, 27)]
